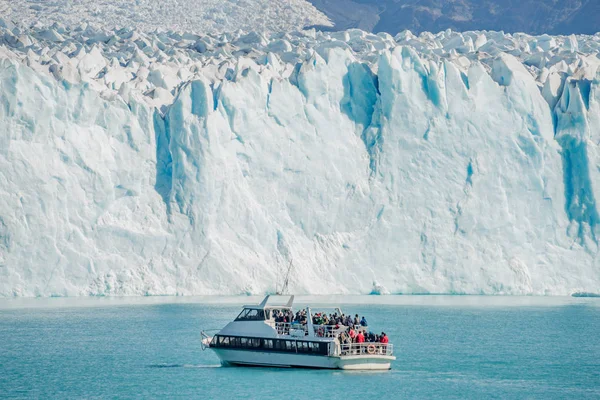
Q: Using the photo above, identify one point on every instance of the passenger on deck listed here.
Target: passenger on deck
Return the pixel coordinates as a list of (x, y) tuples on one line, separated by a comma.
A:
[(344, 339), (352, 334), (363, 321), (360, 338), (384, 338), (348, 320), (356, 321), (338, 319), (279, 316)]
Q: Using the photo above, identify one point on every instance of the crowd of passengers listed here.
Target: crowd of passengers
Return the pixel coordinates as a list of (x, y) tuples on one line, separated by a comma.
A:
[(356, 334), (319, 318)]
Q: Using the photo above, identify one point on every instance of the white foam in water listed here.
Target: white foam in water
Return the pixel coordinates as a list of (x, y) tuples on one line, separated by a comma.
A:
[(167, 163)]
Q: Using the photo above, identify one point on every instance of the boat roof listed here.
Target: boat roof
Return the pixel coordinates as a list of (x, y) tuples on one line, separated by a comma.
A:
[(265, 304)]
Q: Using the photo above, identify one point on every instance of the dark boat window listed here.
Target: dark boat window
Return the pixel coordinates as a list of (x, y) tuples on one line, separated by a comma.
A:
[(302, 347), (224, 340), (314, 346), (271, 345), (249, 314)]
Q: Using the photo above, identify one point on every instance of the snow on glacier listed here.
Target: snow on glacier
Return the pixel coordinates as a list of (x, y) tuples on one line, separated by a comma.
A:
[(198, 16), (169, 163)]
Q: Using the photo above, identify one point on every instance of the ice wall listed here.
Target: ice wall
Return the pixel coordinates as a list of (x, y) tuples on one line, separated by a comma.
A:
[(392, 170)]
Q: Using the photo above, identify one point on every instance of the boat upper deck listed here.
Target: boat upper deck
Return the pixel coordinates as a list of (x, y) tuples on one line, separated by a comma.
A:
[(268, 320)]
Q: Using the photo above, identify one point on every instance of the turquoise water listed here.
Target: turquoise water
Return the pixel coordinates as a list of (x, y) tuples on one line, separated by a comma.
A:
[(447, 347)]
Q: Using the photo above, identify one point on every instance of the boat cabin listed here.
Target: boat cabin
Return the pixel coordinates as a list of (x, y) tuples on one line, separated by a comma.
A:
[(263, 311)]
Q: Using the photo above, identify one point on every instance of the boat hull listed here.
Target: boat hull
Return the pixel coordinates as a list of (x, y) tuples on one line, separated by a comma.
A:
[(282, 360), (369, 363)]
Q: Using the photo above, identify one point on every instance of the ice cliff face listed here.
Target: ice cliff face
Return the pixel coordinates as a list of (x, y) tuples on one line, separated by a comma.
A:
[(183, 164)]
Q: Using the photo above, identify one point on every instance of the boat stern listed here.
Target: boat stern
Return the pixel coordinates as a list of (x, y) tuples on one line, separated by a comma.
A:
[(365, 363)]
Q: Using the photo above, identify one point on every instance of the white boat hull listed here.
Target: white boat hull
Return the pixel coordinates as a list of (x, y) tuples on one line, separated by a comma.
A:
[(370, 363), (283, 360)]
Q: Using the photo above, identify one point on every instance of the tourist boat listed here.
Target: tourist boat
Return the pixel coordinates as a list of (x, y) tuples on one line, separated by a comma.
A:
[(254, 338)]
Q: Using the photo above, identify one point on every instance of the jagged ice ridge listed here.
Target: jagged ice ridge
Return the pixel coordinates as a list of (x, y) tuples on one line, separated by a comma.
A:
[(170, 163)]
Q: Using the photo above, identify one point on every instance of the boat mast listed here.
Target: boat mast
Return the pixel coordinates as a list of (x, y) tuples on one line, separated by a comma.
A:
[(286, 280)]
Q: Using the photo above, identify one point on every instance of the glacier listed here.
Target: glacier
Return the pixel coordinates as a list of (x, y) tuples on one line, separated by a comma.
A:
[(195, 16), (169, 163)]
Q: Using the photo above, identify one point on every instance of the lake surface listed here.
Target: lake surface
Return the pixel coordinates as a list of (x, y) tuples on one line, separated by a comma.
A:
[(447, 347)]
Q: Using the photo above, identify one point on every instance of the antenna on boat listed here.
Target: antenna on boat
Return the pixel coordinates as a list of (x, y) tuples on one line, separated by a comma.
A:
[(286, 280)]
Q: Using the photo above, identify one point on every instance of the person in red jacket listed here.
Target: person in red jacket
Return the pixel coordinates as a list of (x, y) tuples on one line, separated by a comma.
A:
[(384, 338), (360, 338)]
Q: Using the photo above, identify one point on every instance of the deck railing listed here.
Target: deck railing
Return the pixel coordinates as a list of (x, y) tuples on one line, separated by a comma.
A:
[(283, 328), (328, 330), (369, 348)]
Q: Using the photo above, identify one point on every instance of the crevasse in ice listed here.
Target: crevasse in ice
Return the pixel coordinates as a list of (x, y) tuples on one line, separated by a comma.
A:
[(171, 163)]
